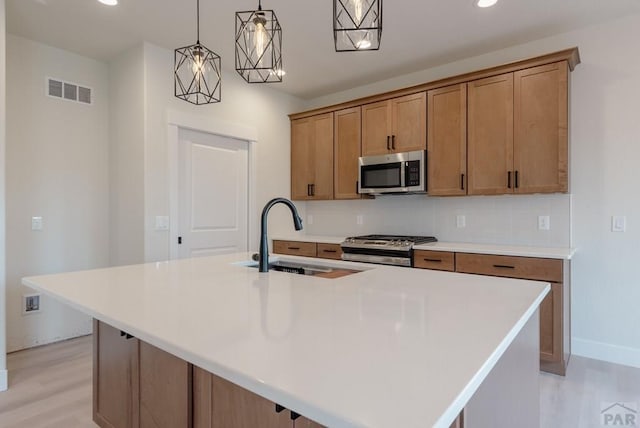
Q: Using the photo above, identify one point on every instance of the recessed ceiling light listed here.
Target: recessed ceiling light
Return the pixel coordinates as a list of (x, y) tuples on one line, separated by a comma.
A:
[(485, 3), (109, 2)]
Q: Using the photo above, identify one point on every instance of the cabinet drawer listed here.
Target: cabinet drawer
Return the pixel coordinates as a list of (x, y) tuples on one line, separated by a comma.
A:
[(330, 251), (437, 260), (295, 248), (511, 267)]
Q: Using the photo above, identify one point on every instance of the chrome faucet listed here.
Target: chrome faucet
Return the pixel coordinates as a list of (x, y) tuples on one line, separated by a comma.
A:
[(264, 243)]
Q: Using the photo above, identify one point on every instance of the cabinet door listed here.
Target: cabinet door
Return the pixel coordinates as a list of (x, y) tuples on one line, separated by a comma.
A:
[(551, 325), (447, 141), (322, 163), (303, 422), (409, 123), (165, 389), (490, 134), (115, 378), (540, 129), (312, 157), (346, 142), (236, 407), (301, 158), (376, 129)]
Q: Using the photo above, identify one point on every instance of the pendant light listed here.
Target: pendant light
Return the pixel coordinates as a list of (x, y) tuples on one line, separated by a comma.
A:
[(357, 25), (259, 46), (197, 72)]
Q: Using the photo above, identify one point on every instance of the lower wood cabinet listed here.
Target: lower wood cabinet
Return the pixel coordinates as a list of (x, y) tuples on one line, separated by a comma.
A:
[(435, 260), (295, 248), (219, 403), (555, 332), (308, 249), (136, 385)]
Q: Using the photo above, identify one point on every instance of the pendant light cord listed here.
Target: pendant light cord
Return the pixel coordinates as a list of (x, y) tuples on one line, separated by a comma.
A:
[(198, 20)]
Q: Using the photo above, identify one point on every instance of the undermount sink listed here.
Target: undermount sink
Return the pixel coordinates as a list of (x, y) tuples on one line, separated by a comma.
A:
[(322, 271)]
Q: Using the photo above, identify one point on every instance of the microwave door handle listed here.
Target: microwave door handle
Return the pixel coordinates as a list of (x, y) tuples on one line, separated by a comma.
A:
[(403, 174)]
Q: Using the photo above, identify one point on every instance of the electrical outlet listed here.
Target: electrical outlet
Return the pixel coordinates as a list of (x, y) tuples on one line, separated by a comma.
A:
[(461, 221), (618, 223), (30, 303), (359, 220), (36, 223), (544, 222)]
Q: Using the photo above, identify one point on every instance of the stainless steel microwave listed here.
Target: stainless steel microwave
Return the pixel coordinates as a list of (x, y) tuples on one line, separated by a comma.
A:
[(393, 173)]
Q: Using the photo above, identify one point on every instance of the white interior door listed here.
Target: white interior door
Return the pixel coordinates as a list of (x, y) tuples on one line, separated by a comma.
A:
[(213, 200)]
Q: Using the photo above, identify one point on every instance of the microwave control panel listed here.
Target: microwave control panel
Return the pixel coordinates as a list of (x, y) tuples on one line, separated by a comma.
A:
[(412, 173)]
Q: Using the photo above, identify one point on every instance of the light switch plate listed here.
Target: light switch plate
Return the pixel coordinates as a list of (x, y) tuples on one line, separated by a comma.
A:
[(162, 222), (359, 220), (618, 223), (544, 222), (36, 223), (461, 221), (309, 219)]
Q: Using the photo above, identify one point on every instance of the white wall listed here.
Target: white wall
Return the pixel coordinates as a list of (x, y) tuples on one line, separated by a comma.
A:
[(257, 106), (57, 168), (126, 157), (3, 317), (605, 148)]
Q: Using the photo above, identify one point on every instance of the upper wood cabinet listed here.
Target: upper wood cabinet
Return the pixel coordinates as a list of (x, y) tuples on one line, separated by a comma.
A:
[(346, 148), (447, 141), (395, 125), (490, 134), (540, 155), (518, 132), (312, 157)]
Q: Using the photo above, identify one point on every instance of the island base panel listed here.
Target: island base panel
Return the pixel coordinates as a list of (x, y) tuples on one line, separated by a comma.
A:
[(510, 395)]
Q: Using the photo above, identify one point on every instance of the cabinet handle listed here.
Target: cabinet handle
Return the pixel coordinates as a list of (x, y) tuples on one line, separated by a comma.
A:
[(517, 180), (393, 142), (313, 190), (279, 408), (125, 335), (293, 248), (433, 260), (388, 143), (508, 179), (308, 189), (329, 251), (461, 181), (504, 267)]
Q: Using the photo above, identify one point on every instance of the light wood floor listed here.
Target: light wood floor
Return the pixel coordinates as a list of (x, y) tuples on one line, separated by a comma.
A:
[(50, 387)]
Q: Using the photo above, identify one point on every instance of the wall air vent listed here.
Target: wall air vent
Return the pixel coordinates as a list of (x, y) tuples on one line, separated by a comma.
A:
[(57, 88)]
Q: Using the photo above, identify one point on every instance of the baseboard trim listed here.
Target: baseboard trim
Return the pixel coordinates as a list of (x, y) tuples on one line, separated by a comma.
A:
[(606, 352), (4, 380)]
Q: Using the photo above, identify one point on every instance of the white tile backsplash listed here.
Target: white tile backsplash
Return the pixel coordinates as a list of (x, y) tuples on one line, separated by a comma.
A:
[(508, 219)]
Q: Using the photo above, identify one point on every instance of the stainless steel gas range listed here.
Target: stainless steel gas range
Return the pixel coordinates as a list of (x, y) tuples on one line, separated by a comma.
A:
[(394, 250)]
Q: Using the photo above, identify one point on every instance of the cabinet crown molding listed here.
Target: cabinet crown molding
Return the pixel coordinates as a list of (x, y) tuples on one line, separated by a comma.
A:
[(571, 55)]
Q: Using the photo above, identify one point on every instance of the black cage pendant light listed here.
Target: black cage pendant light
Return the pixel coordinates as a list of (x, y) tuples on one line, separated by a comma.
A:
[(197, 77), (357, 25), (259, 46)]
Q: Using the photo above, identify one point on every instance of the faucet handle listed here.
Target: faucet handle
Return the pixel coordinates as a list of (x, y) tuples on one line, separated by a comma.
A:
[(255, 257)]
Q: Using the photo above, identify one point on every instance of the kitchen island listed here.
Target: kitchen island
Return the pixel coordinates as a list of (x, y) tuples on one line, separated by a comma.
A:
[(384, 347)]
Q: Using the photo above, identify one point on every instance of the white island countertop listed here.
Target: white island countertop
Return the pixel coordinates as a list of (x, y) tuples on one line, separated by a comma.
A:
[(386, 347)]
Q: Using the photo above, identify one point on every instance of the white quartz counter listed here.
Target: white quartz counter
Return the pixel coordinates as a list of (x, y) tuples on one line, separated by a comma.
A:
[(458, 247), (386, 347)]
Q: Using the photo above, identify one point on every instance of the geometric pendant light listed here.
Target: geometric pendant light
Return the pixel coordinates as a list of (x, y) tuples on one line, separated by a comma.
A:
[(357, 24), (197, 72), (259, 46)]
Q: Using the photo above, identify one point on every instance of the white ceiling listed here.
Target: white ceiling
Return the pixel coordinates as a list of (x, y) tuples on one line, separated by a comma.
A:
[(417, 34)]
